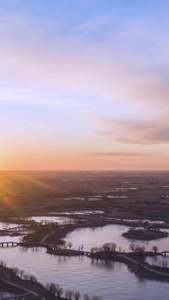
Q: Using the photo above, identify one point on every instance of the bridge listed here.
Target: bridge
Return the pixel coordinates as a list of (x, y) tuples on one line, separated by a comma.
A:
[(16, 229), (8, 244), (149, 226), (164, 253)]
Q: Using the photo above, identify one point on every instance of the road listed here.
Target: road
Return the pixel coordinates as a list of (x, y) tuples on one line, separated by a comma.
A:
[(27, 291), (46, 236), (142, 265)]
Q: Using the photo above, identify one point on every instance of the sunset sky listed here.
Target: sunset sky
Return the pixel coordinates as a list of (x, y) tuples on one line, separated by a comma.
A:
[(84, 84)]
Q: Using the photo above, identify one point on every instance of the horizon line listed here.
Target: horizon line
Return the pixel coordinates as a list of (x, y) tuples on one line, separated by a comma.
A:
[(82, 170)]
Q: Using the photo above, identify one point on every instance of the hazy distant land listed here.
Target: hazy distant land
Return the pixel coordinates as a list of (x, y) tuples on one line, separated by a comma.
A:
[(93, 198), (143, 194)]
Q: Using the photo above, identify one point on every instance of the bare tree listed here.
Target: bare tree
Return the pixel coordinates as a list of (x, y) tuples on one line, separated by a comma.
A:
[(33, 278), (132, 247), (21, 273), (3, 263), (155, 248), (113, 247), (95, 249), (109, 247), (15, 271), (86, 297), (139, 249), (69, 294), (59, 290), (76, 295), (106, 247), (70, 245), (25, 276), (52, 288), (96, 298), (164, 264)]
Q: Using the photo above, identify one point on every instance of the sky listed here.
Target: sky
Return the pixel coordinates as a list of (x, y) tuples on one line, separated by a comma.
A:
[(84, 85)]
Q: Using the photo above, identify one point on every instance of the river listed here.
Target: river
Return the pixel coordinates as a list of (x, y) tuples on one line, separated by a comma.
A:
[(111, 280)]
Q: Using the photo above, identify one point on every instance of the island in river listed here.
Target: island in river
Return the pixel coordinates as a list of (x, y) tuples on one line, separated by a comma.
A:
[(143, 196), (142, 234)]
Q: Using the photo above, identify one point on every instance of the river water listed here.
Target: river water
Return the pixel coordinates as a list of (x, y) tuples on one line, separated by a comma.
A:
[(111, 280), (5, 294)]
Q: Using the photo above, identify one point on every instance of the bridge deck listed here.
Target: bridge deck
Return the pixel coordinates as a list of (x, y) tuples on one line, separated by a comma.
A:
[(8, 244)]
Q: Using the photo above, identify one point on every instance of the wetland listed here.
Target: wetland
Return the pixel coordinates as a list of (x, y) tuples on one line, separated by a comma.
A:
[(40, 207)]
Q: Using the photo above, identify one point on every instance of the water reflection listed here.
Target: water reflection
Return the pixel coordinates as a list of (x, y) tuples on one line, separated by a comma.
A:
[(7, 225), (97, 236), (83, 212), (5, 294), (111, 280), (158, 260), (9, 238), (54, 219), (109, 265)]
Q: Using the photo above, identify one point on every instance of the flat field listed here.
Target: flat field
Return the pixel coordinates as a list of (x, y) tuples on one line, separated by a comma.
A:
[(142, 195)]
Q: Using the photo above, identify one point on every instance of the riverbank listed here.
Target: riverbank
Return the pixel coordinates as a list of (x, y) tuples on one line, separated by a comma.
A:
[(136, 263), (55, 233), (32, 289), (54, 263), (144, 234)]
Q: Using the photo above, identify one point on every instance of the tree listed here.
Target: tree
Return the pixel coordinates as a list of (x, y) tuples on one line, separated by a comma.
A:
[(33, 278), (132, 247), (3, 263), (164, 264), (59, 290), (155, 249), (25, 276), (21, 273), (96, 298), (86, 297), (69, 294), (113, 247), (70, 245), (15, 271), (107, 247), (76, 295), (139, 249), (52, 288)]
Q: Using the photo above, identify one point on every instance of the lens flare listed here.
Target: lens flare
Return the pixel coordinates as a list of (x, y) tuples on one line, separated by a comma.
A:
[(8, 201), (11, 205)]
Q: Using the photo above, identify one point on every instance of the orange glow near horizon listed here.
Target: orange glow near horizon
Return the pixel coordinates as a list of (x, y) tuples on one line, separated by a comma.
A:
[(80, 161), (91, 92), (8, 201), (11, 205)]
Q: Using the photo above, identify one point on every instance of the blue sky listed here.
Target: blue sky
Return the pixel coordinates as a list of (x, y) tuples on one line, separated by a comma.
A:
[(84, 84)]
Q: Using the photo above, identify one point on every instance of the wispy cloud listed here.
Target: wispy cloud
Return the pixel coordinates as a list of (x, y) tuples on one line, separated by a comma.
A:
[(106, 69), (136, 132), (93, 24), (107, 154), (42, 125), (113, 68)]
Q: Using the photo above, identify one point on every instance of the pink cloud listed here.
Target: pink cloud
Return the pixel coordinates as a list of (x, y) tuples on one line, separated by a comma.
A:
[(42, 125)]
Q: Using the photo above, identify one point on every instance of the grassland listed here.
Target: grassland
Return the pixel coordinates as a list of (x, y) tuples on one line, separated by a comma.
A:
[(143, 194)]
